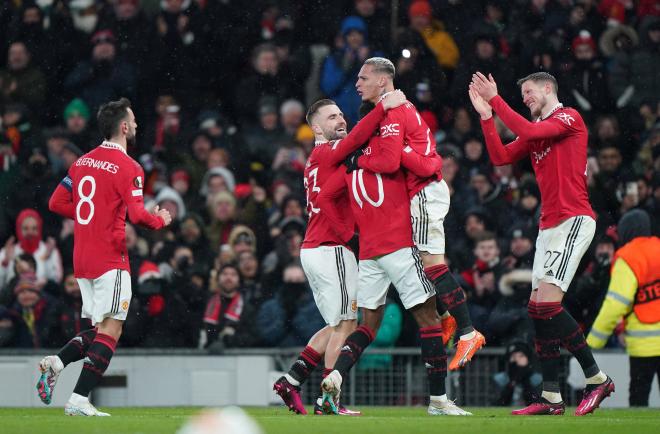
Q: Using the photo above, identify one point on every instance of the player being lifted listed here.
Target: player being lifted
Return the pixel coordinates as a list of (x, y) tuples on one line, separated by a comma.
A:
[(100, 188), (404, 129), (557, 146), (387, 256), (329, 264)]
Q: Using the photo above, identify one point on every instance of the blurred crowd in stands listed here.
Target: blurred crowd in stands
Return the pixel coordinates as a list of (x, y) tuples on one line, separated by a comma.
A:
[(220, 89)]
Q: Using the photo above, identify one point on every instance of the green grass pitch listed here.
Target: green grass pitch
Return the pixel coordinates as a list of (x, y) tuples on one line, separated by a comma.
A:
[(376, 420)]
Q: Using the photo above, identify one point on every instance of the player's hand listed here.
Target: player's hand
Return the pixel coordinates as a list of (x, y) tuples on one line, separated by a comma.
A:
[(163, 214), (480, 105), (485, 86), (394, 99), (351, 161)]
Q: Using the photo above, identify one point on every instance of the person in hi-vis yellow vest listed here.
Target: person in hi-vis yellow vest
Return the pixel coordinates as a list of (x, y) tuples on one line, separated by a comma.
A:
[(634, 296)]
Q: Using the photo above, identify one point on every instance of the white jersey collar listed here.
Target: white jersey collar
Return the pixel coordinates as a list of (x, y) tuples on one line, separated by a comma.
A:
[(112, 145), (554, 109)]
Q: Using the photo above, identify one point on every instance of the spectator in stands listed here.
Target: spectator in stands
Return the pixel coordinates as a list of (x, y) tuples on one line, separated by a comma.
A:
[(437, 39), (527, 207), (163, 135), (603, 193), (483, 57), (135, 35), (103, 77), (223, 310), (24, 263), (177, 48), (377, 19), (519, 382), (217, 180), (169, 199), (29, 227), (290, 318), (585, 83), (266, 80), (34, 315), (55, 139), (480, 281), (267, 137), (20, 81), (76, 118), (222, 209), (340, 68), (490, 195)]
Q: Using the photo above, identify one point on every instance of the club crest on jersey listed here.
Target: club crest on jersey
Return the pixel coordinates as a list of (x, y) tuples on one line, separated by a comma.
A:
[(565, 118), (137, 182), (389, 130)]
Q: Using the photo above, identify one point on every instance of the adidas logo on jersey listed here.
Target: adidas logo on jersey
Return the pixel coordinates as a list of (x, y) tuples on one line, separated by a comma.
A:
[(550, 273), (346, 348)]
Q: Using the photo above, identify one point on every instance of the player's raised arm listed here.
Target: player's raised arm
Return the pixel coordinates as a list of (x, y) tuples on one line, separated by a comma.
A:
[(499, 154), (61, 201)]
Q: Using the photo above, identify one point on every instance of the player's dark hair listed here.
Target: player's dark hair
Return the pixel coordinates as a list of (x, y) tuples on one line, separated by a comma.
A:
[(110, 116), (540, 76), (314, 108)]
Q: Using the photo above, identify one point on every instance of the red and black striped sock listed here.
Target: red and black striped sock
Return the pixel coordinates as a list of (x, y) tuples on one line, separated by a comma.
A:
[(434, 358), (98, 358), (353, 347), (546, 342), (326, 372), (304, 365), (451, 296), (77, 347)]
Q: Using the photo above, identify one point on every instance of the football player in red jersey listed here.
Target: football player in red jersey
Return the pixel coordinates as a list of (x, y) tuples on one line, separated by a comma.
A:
[(329, 264), (556, 143), (381, 205), (100, 188), (403, 128)]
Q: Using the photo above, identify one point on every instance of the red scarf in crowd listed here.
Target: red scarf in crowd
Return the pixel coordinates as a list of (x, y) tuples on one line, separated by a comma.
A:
[(215, 309)]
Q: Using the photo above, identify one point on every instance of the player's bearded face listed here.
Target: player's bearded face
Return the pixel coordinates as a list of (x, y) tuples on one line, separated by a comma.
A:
[(333, 124)]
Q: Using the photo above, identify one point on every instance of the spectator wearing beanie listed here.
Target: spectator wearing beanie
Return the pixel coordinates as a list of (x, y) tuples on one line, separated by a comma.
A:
[(76, 118)]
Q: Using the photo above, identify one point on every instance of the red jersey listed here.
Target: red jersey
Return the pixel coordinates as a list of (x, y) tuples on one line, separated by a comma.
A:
[(98, 190), (379, 202), (557, 147), (403, 127), (324, 161)]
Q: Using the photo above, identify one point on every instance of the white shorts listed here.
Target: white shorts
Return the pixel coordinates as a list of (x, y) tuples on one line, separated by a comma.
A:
[(404, 269), (428, 209), (559, 250), (332, 272), (108, 296)]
